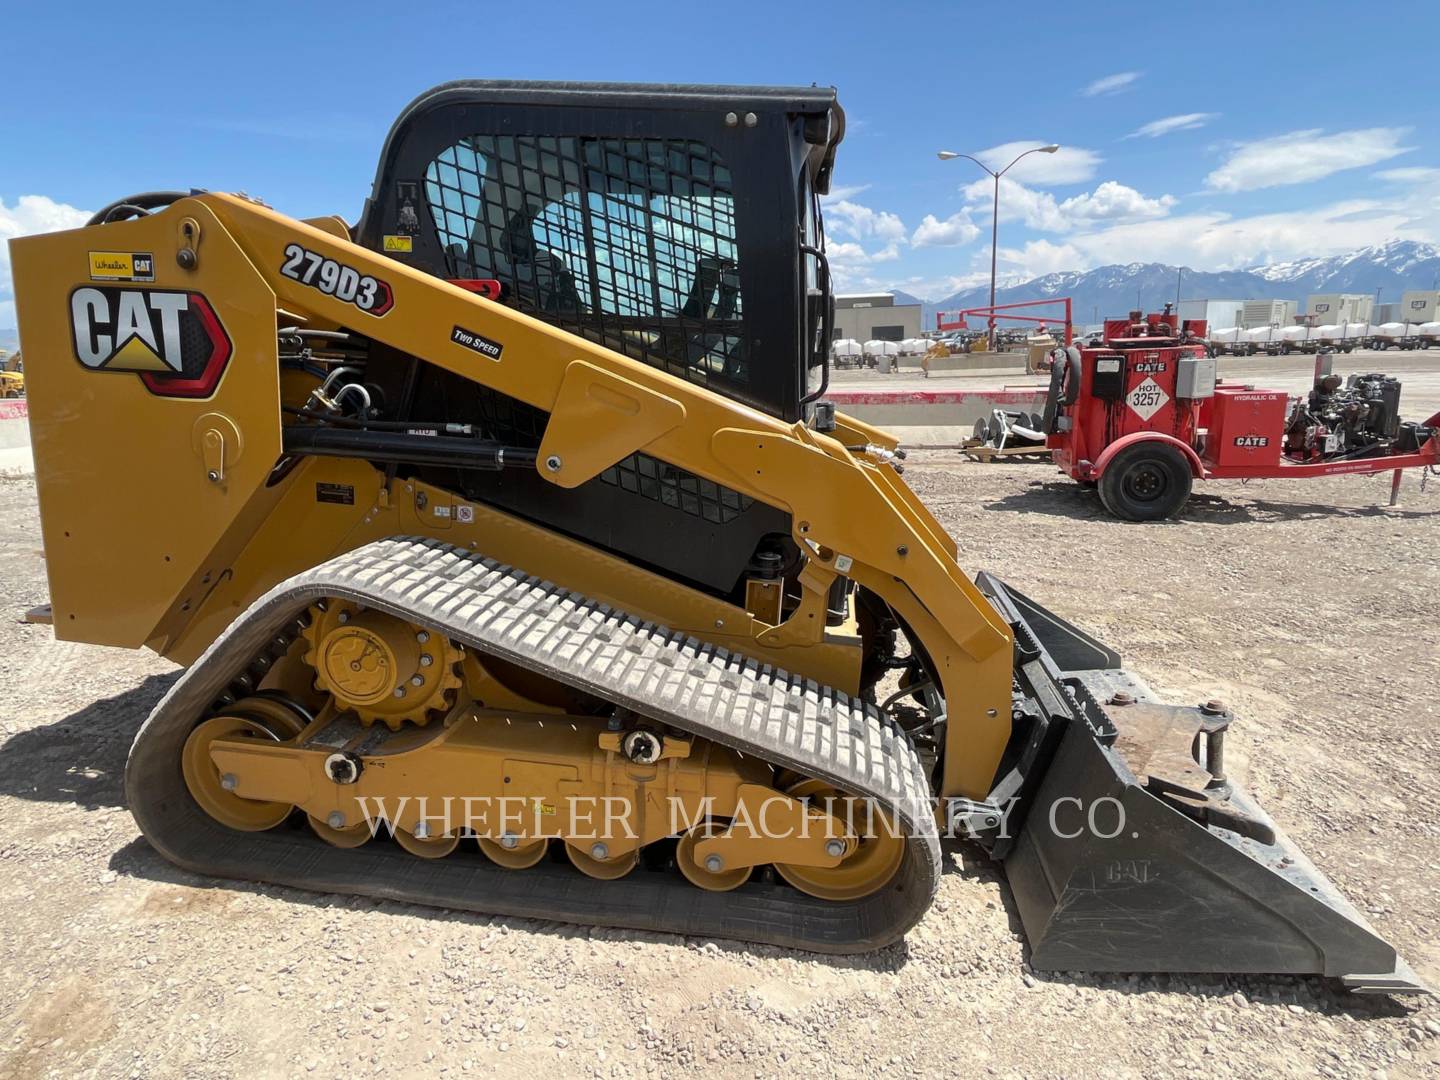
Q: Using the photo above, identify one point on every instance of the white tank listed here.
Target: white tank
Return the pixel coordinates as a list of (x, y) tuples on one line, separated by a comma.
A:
[(1393, 330), (1293, 333), (1228, 336), (913, 346), (845, 347), (1261, 335), (1328, 332), (1354, 330), (1428, 329), (876, 347)]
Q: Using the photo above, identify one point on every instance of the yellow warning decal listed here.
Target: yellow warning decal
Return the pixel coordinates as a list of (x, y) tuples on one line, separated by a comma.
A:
[(122, 266), (404, 244)]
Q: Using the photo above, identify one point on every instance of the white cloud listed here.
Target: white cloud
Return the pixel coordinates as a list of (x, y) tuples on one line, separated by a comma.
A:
[(1110, 201), (1068, 165), (1301, 156), (844, 191), (1219, 241), (864, 235), (937, 288), (955, 230), (1415, 174), (1165, 125), (1040, 257), (1210, 240), (30, 214), (1111, 84)]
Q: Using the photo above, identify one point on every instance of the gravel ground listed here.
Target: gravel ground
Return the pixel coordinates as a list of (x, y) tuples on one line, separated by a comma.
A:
[(1305, 604)]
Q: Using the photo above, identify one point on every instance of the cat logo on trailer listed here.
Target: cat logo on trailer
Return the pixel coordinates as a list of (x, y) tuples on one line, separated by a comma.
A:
[(173, 340)]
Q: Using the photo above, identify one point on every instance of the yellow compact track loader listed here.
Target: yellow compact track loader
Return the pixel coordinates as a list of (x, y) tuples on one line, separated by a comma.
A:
[(511, 544)]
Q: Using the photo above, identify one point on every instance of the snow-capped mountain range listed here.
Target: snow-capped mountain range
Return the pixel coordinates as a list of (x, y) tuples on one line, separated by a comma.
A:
[(1113, 290)]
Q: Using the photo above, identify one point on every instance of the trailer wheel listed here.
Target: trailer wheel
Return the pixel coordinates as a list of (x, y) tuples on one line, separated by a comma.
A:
[(1149, 481)]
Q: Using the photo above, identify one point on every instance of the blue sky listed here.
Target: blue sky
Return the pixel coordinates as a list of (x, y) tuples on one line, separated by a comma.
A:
[(1216, 135)]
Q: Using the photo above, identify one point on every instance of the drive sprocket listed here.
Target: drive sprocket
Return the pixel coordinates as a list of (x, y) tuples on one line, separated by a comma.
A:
[(380, 667)]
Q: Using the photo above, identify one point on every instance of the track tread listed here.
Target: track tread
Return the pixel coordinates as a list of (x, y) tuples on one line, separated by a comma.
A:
[(673, 677)]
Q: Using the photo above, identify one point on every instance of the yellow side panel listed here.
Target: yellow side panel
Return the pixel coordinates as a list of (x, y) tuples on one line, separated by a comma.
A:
[(129, 505)]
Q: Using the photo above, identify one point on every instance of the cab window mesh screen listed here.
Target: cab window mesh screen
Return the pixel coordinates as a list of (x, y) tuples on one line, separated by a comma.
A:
[(629, 242)]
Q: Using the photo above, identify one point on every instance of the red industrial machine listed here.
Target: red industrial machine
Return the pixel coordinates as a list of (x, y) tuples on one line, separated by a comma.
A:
[(1140, 415)]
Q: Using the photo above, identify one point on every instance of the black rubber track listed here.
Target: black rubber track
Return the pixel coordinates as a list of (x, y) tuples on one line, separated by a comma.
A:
[(758, 709)]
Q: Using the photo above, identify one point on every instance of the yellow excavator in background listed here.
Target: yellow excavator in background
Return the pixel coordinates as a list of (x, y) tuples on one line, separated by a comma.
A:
[(510, 544), (12, 375)]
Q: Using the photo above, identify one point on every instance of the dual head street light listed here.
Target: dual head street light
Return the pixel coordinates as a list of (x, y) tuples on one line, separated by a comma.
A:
[(948, 155)]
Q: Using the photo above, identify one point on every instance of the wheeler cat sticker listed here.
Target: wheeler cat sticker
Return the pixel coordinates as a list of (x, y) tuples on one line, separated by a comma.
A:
[(122, 266), (369, 294), (172, 339)]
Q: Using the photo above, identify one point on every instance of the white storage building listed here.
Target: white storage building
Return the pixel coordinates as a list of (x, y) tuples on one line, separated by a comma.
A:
[(1340, 307), (1216, 313), (1419, 306), (1261, 313)]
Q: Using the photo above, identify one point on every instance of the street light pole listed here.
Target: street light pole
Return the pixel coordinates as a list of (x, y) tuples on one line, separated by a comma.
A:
[(947, 155)]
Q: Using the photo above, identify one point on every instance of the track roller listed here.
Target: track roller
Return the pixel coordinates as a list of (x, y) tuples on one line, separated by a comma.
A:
[(341, 836), (428, 847), (521, 856), (710, 877), (597, 865)]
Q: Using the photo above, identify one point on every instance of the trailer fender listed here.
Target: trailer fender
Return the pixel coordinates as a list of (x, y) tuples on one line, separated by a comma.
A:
[(1197, 468)]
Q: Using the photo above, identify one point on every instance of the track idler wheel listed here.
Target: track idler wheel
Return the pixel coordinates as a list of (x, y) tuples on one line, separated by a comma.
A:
[(213, 791), (591, 860), (519, 855), (712, 877), (878, 852)]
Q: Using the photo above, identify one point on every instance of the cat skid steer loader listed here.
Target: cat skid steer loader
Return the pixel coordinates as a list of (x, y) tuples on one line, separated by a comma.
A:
[(511, 544)]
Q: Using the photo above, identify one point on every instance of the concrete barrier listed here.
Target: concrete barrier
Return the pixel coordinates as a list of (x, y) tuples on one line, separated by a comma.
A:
[(931, 418), (966, 362), (15, 437)]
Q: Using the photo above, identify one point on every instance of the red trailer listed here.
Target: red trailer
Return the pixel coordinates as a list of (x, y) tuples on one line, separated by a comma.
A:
[(1141, 416)]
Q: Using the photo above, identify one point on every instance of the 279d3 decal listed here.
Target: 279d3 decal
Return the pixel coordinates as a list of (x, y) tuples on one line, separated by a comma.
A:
[(369, 294)]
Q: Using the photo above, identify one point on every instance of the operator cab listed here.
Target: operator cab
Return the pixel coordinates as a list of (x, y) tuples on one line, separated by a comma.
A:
[(679, 225)]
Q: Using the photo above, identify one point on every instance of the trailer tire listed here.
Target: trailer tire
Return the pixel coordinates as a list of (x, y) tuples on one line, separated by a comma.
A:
[(1149, 481)]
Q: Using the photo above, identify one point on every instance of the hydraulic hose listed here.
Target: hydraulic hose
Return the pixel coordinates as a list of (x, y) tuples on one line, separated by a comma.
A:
[(137, 205)]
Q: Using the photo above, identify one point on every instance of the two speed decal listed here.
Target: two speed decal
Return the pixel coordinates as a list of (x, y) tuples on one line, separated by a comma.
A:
[(369, 294)]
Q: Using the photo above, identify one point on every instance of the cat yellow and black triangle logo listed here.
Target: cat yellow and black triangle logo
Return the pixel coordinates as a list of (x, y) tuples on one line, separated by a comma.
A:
[(135, 355)]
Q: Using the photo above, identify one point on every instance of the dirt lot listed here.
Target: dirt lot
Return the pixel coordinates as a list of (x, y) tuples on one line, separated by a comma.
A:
[(1305, 604)]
